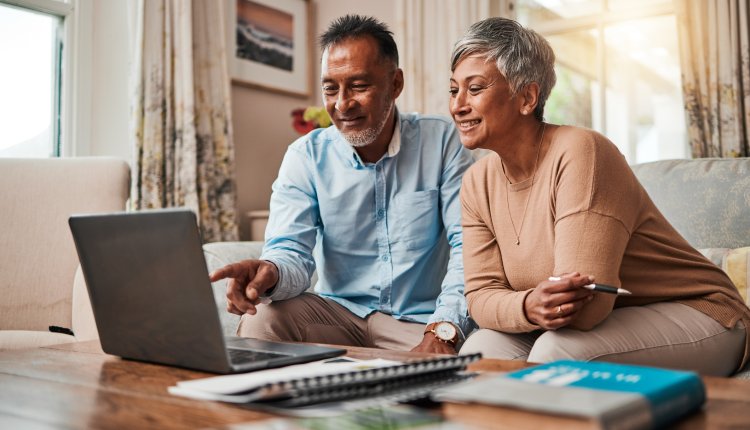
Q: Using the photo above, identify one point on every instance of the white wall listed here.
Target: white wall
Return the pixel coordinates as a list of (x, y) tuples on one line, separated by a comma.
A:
[(99, 80), (110, 98)]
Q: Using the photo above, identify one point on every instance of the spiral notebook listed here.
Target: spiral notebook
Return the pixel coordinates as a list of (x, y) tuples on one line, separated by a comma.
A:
[(333, 385)]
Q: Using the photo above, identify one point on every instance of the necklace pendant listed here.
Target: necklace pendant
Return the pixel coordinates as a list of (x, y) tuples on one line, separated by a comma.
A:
[(518, 241)]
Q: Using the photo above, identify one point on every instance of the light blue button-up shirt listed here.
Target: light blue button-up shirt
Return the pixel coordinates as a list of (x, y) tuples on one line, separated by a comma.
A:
[(385, 236)]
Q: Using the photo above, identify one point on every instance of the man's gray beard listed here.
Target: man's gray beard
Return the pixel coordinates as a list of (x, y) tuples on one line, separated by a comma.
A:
[(358, 139)]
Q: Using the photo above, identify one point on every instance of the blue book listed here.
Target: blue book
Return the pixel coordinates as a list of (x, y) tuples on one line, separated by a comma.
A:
[(618, 396)]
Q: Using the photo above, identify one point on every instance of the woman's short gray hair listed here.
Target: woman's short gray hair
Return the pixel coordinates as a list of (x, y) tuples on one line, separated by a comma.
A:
[(521, 55)]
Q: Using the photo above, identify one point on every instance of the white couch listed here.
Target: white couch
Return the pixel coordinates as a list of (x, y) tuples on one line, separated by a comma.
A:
[(38, 259)]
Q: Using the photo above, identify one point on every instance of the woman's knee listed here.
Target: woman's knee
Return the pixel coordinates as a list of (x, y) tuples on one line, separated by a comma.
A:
[(494, 344), (474, 342), (555, 345)]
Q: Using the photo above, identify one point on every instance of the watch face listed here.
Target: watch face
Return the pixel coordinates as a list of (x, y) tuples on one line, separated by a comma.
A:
[(445, 331)]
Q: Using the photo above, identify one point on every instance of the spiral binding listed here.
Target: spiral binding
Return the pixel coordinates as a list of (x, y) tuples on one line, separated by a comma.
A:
[(401, 382)]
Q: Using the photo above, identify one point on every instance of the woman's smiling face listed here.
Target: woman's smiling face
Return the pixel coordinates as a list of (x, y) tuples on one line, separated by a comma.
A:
[(481, 103)]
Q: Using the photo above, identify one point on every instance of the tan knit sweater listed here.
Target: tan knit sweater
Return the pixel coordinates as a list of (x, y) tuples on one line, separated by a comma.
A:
[(586, 213)]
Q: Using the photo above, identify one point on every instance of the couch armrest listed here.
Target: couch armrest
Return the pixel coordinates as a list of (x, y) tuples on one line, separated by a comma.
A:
[(83, 324), (219, 254)]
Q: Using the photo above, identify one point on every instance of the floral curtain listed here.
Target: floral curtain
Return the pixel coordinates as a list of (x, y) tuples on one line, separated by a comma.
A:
[(715, 56), (184, 153), (425, 33)]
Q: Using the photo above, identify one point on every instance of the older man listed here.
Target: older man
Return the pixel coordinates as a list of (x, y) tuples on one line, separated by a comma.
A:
[(373, 204)]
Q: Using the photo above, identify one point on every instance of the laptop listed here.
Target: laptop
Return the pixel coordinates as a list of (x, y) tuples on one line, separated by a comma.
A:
[(153, 301)]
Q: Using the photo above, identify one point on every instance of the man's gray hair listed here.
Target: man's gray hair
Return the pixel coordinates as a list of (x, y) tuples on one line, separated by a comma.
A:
[(521, 55)]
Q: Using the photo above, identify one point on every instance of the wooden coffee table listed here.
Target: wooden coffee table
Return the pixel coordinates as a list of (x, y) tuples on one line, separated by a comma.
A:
[(78, 386)]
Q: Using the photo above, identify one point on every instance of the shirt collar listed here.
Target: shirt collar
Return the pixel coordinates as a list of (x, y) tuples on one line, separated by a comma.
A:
[(395, 144)]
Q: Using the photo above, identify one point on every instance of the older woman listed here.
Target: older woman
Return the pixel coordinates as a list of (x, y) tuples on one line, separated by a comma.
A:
[(554, 209)]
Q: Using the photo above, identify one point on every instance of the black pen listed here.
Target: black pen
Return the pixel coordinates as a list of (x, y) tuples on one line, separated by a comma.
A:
[(600, 287), (607, 289)]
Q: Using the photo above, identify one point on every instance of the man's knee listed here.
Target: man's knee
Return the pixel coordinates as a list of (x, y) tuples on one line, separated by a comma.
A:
[(272, 322)]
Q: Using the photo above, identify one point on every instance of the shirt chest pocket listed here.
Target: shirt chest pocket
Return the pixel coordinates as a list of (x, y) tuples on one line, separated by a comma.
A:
[(416, 219)]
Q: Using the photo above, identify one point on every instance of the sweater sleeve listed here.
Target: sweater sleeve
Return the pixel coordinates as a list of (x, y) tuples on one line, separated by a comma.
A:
[(596, 204), (491, 301)]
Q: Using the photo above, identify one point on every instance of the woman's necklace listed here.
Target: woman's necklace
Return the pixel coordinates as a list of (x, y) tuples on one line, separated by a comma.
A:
[(525, 206)]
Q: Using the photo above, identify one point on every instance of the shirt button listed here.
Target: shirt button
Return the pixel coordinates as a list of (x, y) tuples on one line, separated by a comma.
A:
[(381, 212), (384, 258)]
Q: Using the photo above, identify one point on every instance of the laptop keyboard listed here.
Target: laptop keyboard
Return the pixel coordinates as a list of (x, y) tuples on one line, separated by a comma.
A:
[(246, 355)]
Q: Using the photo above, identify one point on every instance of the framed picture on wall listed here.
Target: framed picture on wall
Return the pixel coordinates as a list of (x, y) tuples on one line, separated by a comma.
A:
[(268, 45)]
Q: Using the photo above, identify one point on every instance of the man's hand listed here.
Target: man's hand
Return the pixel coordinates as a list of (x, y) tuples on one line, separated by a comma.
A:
[(430, 343), (248, 280), (554, 303)]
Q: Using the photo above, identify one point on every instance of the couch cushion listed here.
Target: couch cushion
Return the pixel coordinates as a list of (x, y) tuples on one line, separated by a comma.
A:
[(707, 200), (716, 255), (735, 263), (20, 339)]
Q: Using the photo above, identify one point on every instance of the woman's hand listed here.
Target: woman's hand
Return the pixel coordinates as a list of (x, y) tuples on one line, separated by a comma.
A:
[(554, 303)]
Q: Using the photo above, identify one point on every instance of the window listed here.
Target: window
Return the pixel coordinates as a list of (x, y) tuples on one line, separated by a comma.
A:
[(31, 45), (618, 71)]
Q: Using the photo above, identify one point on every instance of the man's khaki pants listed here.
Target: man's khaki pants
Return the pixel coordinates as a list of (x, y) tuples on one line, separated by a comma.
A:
[(312, 318)]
